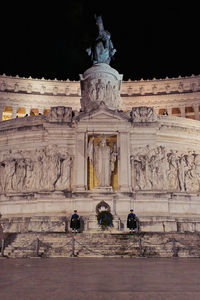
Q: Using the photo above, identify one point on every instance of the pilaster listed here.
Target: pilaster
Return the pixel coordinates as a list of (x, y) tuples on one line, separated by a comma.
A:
[(1, 112), (80, 184), (41, 110), (169, 110), (14, 111), (124, 163), (182, 109)]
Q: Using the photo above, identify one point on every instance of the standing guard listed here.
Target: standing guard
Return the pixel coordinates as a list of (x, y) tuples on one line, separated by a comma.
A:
[(132, 221), (75, 222)]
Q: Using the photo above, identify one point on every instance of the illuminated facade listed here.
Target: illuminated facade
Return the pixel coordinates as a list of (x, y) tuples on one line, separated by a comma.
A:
[(100, 142), (26, 96)]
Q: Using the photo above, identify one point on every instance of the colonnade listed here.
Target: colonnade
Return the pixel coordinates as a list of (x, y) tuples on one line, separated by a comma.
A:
[(192, 112), (14, 111)]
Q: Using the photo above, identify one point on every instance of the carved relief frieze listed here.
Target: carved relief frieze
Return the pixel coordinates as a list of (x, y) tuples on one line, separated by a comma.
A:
[(158, 168), (143, 114), (44, 169), (60, 114), (100, 83)]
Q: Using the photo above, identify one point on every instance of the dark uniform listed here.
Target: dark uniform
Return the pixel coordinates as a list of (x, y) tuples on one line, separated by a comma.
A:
[(132, 221), (75, 222)]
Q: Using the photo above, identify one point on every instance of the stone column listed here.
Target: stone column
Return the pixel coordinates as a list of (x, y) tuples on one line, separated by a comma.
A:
[(41, 110), (80, 163), (14, 111), (28, 110), (169, 111), (124, 163), (1, 113), (196, 111), (182, 109)]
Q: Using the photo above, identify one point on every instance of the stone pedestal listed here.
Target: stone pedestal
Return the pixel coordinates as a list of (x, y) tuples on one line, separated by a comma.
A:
[(100, 83)]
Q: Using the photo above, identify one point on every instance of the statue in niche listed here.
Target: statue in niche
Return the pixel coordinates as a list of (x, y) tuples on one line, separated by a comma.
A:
[(102, 49), (103, 158)]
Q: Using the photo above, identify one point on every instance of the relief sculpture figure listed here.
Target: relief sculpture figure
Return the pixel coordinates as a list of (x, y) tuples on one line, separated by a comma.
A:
[(63, 182)]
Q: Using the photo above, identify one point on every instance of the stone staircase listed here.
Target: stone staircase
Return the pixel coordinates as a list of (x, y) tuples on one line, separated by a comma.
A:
[(144, 244)]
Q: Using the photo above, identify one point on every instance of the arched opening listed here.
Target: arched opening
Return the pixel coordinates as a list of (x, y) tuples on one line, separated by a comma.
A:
[(7, 113)]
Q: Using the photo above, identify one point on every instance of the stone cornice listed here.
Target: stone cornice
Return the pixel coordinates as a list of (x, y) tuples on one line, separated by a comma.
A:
[(67, 87), (39, 86)]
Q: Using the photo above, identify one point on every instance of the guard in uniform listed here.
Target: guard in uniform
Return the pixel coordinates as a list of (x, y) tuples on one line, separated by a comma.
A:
[(132, 221), (75, 222)]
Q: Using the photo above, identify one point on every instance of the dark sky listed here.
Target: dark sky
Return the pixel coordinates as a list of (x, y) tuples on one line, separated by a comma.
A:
[(153, 39)]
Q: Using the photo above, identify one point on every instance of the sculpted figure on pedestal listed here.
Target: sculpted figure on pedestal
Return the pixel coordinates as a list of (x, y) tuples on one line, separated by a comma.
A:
[(102, 49)]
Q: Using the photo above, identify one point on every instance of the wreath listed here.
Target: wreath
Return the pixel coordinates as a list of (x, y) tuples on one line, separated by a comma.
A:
[(105, 219)]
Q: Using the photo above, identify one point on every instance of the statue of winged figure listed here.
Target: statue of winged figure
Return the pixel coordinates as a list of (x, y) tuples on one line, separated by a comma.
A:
[(102, 49)]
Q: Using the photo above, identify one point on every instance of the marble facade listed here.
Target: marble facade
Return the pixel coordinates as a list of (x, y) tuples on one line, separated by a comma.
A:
[(100, 151), (101, 155)]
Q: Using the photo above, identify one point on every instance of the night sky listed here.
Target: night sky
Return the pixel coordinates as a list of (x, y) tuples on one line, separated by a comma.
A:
[(153, 39)]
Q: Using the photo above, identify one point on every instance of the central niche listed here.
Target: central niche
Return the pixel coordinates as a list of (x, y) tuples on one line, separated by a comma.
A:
[(102, 162)]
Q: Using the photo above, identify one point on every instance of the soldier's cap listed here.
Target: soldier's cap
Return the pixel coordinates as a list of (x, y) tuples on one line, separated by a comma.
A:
[(131, 209)]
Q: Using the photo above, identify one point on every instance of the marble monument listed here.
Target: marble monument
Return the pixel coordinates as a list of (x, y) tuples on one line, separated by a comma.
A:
[(100, 157)]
